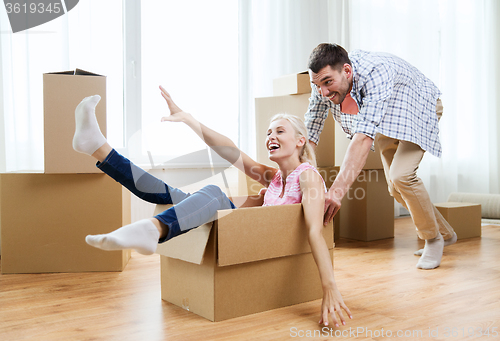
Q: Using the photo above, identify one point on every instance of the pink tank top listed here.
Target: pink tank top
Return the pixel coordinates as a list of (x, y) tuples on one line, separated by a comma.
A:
[(292, 194)]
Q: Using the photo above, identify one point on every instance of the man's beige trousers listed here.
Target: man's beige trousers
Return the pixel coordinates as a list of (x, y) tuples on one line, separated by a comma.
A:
[(401, 160)]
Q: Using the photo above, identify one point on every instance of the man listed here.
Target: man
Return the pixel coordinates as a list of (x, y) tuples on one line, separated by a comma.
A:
[(372, 94)]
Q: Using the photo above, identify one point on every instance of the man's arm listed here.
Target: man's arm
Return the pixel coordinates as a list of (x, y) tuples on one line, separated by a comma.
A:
[(353, 163)]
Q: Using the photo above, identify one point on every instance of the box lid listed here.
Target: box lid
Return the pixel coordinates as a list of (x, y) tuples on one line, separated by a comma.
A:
[(455, 204), (259, 233)]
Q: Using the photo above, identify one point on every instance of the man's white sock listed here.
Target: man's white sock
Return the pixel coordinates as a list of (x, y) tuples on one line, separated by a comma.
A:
[(447, 242), (433, 251), (141, 236), (88, 137)]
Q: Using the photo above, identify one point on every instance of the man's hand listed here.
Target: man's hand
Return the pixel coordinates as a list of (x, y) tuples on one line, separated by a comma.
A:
[(333, 201)]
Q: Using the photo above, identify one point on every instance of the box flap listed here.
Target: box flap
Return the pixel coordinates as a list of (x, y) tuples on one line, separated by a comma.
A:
[(258, 233), (190, 246), (81, 72), (78, 72), (71, 72)]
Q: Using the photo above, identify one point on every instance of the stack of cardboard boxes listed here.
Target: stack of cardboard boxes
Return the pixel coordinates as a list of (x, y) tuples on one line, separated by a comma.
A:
[(367, 211), (45, 216)]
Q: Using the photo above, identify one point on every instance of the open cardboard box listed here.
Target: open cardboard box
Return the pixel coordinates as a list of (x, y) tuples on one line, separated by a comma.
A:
[(249, 260), (62, 92)]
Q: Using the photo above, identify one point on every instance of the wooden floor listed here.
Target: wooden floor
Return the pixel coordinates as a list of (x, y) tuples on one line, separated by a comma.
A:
[(378, 280)]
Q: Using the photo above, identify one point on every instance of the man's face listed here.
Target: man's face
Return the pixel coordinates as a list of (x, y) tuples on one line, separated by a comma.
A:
[(332, 83)]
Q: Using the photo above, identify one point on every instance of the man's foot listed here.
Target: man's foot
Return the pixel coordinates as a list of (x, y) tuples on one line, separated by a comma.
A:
[(447, 242), (88, 137), (433, 251)]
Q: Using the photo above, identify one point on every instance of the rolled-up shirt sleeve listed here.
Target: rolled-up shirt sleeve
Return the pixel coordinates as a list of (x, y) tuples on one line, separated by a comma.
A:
[(316, 115), (377, 88)]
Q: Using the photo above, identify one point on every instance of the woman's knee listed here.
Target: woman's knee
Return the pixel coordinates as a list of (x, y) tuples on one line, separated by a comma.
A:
[(213, 190)]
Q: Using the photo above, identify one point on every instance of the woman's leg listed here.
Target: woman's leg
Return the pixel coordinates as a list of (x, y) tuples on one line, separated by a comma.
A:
[(199, 208), (88, 139), (190, 211), (143, 236)]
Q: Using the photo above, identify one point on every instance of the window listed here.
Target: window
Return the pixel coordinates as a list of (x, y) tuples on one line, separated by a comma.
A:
[(191, 49)]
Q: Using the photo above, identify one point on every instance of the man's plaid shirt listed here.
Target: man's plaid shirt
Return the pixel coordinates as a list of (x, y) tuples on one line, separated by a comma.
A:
[(395, 100)]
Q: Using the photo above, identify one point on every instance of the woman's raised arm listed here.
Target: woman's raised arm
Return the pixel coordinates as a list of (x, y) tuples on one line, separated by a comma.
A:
[(221, 144)]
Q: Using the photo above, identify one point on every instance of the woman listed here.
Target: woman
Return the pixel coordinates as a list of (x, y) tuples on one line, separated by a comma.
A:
[(295, 181)]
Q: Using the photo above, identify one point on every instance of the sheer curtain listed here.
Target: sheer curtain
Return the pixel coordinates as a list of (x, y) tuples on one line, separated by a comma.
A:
[(88, 37), (453, 43), (276, 38)]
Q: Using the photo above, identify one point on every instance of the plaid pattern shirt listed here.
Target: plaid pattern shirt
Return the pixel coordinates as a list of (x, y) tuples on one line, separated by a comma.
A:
[(395, 100)]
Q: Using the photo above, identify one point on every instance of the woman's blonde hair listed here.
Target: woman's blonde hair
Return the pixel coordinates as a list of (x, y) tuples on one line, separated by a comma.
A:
[(307, 153)]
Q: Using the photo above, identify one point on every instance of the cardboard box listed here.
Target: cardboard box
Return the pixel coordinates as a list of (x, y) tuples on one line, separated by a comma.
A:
[(367, 211), (465, 218), (248, 186), (342, 142), (62, 92), (251, 260), (267, 107), (294, 84), (44, 219)]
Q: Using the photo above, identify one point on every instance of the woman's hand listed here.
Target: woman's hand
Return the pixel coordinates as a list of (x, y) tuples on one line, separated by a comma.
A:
[(333, 302), (176, 113)]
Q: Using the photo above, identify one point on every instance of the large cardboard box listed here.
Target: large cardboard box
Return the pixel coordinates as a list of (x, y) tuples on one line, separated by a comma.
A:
[(248, 186), (367, 211), (62, 92), (293, 84), (251, 260), (267, 107), (44, 219), (342, 143), (465, 218)]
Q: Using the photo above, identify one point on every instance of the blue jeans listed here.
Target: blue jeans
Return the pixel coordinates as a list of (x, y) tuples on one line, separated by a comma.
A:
[(190, 210)]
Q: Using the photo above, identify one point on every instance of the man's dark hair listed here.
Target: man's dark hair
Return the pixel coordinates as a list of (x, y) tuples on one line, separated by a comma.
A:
[(328, 54)]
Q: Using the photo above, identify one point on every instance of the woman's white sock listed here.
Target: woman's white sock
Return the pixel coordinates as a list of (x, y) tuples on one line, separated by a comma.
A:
[(88, 137), (433, 251), (141, 236)]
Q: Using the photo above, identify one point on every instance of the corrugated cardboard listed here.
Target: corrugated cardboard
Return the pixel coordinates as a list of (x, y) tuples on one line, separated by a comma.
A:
[(342, 142), (267, 107), (465, 218), (294, 84), (255, 259), (367, 211), (62, 92), (45, 218)]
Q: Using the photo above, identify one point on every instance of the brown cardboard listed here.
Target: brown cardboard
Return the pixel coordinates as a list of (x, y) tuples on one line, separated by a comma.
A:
[(251, 264), (342, 143), (267, 107), (45, 218), (465, 218), (294, 84), (62, 92), (367, 211)]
